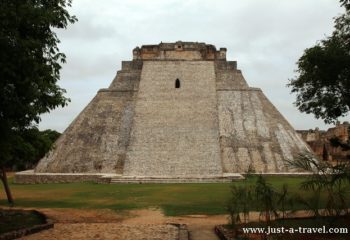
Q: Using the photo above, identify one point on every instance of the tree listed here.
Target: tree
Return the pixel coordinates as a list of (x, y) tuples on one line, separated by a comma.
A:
[(323, 82), (31, 145), (30, 63)]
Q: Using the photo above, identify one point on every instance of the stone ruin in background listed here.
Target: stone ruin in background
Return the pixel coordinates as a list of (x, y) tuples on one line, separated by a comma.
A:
[(321, 142)]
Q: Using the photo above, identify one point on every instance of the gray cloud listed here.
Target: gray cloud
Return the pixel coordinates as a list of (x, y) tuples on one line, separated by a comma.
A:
[(265, 37)]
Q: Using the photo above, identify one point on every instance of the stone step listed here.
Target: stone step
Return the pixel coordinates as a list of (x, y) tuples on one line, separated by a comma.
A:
[(176, 180)]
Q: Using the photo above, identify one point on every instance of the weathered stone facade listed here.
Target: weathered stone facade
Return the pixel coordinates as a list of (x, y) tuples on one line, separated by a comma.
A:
[(176, 110)]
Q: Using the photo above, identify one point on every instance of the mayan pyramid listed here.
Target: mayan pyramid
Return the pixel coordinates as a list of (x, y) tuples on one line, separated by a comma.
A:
[(176, 110)]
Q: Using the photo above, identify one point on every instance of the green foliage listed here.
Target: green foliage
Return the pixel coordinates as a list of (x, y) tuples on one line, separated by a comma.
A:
[(30, 146), (332, 180), (311, 203), (261, 194), (323, 82), (240, 202), (266, 197), (284, 200), (30, 63)]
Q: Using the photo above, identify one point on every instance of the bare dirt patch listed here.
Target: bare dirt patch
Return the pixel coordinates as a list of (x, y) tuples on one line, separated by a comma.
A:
[(101, 231), (145, 224), (82, 216)]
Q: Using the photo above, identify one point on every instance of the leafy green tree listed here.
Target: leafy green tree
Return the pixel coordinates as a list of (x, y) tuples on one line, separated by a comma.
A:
[(31, 145), (322, 86), (30, 63)]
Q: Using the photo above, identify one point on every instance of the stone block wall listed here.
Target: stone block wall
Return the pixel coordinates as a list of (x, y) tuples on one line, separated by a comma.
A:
[(254, 134), (175, 130), (228, 77), (96, 140), (129, 77)]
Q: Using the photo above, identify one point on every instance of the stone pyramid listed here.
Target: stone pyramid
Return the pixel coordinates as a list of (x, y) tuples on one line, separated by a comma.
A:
[(176, 110)]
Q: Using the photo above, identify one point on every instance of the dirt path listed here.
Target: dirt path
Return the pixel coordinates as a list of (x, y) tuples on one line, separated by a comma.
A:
[(201, 227), (144, 224), (102, 231)]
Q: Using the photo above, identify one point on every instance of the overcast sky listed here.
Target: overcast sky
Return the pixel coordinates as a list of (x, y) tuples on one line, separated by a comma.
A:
[(265, 37)]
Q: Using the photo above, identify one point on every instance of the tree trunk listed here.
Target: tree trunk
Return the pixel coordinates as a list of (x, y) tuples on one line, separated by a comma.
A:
[(6, 186)]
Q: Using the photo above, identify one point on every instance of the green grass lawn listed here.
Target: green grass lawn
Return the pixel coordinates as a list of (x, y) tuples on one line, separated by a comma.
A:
[(173, 199)]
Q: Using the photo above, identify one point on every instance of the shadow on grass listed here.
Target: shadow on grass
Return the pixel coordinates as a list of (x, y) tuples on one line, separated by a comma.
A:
[(178, 210), (68, 204)]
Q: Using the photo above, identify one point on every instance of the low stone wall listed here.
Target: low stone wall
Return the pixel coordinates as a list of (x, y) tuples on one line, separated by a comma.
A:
[(223, 233), (183, 231), (30, 177), (283, 174), (30, 230)]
